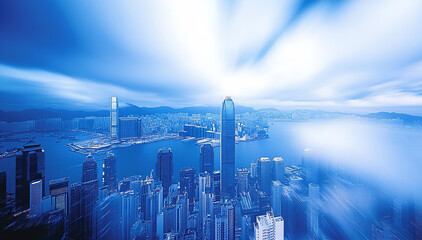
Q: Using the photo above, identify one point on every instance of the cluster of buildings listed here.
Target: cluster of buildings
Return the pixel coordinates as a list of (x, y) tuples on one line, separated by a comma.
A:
[(249, 126), (201, 204), (268, 200)]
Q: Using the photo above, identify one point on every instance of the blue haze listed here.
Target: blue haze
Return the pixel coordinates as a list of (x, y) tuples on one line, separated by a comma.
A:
[(283, 141)]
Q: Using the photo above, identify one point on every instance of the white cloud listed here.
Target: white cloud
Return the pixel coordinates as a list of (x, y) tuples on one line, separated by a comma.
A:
[(349, 56)]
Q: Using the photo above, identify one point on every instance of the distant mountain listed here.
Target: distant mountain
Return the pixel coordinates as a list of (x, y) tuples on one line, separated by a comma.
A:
[(135, 110), (407, 119), (35, 114), (129, 109)]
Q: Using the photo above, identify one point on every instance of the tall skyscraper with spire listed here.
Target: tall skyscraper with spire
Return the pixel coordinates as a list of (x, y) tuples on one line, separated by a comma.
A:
[(227, 149), (114, 117)]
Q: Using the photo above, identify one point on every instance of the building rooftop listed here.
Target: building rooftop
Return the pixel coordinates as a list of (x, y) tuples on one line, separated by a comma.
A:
[(165, 150), (60, 180), (264, 159)]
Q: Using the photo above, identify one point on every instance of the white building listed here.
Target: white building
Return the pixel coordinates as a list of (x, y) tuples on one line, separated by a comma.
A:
[(35, 198), (269, 227)]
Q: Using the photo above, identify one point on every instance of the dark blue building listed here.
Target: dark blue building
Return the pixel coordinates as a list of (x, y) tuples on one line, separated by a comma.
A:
[(30, 166), (164, 168), (206, 158)]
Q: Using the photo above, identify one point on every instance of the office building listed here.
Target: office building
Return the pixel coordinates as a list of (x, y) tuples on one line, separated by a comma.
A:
[(130, 127), (242, 180), (182, 213), (225, 222), (246, 227), (129, 214), (313, 210), (48, 204), (164, 168), (30, 166), (227, 149), (107, 217), (187, 184), (59, 189), (269, 227), (216, 186), (310, 166), (110, 172), (276, 197), (75, 219), (89, 195), (278, 169), (265, 175), (114, 117), (35, 193), (204, 182), (206, 158)]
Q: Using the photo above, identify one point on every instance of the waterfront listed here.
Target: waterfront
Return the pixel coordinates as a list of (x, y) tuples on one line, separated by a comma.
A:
[(284, 140)]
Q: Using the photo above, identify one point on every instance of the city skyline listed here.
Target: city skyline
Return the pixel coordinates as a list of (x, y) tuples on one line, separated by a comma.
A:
[(225, 120), (353, 56)]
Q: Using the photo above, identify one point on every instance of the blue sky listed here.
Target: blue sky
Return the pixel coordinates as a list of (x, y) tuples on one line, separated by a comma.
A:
[(353, 56)]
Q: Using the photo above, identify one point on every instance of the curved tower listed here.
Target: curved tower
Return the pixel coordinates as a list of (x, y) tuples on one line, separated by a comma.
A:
[(227, 149)]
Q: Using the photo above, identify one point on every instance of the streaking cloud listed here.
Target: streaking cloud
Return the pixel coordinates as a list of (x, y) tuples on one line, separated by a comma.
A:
[(335, 55)]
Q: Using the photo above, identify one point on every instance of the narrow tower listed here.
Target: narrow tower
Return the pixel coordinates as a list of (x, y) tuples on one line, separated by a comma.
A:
[(227, 149), (114, 117)]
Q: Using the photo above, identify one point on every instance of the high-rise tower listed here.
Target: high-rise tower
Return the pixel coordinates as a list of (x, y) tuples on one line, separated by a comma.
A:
[(164, 168), (227, 149), (30, 166), (114, 117), (89, 195), (206, 158), (109, 172)]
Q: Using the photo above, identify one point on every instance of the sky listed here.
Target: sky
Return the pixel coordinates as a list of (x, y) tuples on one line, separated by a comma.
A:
[(350, 56)]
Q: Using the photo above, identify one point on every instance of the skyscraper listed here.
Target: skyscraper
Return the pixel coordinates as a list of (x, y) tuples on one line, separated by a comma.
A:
[(129, 213), (278, 169), (276, 196), (310, 166), (164, 168), (264, 175), (75, 223), (89, 195), (108, 218), (29, 167), (269, 227), (181, 213), (204, 182), (206, 158), (130, 127), (313, 210), (114, 117), (225, 222), (110, 175), (59, 189), (35, 194), (227, 149), (242, 180), (217, 186), (187, 184)]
